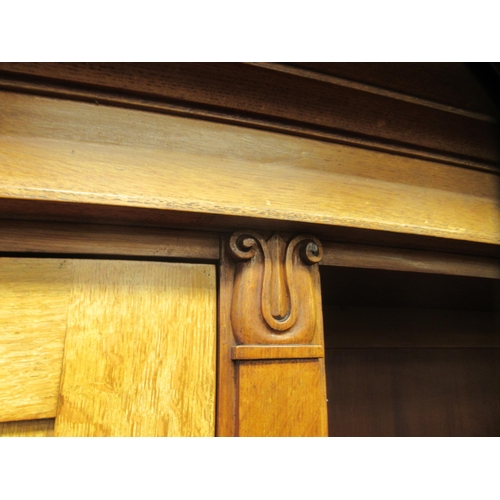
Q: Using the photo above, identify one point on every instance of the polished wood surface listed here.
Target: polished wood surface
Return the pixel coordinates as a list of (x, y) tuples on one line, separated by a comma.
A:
[(413, 392), (411, 354), (226, 369), (438, 112), (281, 398), (403, 259), (139, 356), (34, 300), (271, 371), (93, 239), (275, 291), (241, 352), (350, 152), (54, 150), (28, 428)]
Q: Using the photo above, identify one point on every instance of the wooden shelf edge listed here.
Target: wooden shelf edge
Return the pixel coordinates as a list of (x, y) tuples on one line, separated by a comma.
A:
[(409, 260), (255, 352)]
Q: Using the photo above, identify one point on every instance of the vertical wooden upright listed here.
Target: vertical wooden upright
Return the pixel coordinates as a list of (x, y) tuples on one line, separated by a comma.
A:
[(271, 351)]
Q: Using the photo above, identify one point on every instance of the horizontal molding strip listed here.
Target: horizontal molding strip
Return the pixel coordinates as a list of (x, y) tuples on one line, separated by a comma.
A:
[(372, 89), (255, 352), (400, 259), (94, 239), (247, 119)]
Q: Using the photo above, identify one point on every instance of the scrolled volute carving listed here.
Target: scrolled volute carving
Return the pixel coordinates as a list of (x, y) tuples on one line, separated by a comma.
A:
[(274, 296)]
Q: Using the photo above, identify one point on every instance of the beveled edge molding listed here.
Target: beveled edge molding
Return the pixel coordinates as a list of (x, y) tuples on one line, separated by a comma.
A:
[(274, 290), (256, 352)]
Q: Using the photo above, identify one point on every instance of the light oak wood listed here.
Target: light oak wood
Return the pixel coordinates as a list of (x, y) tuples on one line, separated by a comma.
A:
[(129, 158), (40, 237), (281, 398), (28, 428), (140, 351), (241, 352), (34, 299)]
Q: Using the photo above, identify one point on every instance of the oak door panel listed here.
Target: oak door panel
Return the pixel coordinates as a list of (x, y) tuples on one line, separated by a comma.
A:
[(139, 355), (134, 341), (34, 300)]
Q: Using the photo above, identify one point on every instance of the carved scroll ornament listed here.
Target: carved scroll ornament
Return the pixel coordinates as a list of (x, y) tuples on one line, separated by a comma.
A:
[(275, 288)]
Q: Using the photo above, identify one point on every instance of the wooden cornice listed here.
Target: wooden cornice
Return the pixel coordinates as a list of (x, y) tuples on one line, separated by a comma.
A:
[(293, 99)]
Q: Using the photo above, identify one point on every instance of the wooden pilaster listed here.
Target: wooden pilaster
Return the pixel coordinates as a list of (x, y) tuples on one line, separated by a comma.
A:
[(271, 349)]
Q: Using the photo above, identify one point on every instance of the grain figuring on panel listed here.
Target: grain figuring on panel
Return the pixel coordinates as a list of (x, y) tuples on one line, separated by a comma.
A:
[(28, 428), (34, 298), (281, 398), (140, 351), (54, 150)]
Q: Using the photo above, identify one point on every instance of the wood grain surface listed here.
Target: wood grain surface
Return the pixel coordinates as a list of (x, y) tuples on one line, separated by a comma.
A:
[(226, 369), (413, 392), (140, 351), (404, 109), (128, 158), (92, 239), (28, 428), (281, 398), (411, 354), (403, 259), (242, 352), (34, 299), (266, 389)]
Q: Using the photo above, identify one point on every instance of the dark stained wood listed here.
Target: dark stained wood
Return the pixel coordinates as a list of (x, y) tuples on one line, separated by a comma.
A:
[(413, 392), (411, 354), (447, 83), (372, 327), (348, 287), (266, 97), (399, 259)]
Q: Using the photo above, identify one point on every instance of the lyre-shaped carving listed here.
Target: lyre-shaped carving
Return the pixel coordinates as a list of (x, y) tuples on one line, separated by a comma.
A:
[(273, 294)]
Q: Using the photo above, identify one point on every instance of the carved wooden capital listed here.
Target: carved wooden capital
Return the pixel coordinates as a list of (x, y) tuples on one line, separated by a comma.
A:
[(275, 289)]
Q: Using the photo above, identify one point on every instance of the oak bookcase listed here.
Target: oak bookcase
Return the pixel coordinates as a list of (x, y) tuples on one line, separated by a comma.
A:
[(251, 249)]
